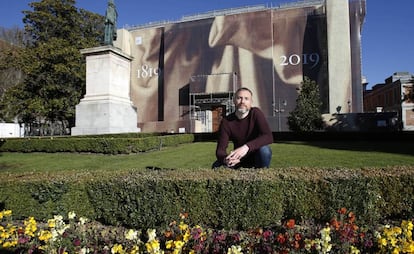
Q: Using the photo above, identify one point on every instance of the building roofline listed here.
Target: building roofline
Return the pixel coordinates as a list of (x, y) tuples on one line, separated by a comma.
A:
[(228, 11)]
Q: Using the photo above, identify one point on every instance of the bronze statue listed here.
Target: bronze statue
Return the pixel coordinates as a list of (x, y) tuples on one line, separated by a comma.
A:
[(111, 16)]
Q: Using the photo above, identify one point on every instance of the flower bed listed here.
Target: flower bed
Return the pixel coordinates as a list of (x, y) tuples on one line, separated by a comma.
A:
[(79, 235)]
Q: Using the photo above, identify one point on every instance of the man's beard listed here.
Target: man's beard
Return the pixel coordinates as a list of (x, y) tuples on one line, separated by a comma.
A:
[(243, 110)]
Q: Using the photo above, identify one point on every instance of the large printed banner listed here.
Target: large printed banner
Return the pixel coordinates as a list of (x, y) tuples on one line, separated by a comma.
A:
[(268, 51)]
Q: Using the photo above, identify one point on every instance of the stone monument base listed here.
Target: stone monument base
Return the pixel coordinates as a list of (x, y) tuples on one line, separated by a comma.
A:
[(105, 117), (106, 107)]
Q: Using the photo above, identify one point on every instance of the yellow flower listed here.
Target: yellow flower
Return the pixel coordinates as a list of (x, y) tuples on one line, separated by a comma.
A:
[(187, 236), (134, 250), (408, 247), (410, 225), (382, 241), (83, 220), (9, 244), (153, 246), (11, 228), (407, 228), (179, 244), (325, 244), (84, 250), (183, 227), (58, 218), (308, 244), (51, 223), (396, 230), (354, 250), (151, 234), (117, 248), (234, 250), (131, 234), (71, 215), (395, 251), (393, 241), (45, 235), (169, 244), (409, 234), (5, 213), (31, 226), (4, 234)]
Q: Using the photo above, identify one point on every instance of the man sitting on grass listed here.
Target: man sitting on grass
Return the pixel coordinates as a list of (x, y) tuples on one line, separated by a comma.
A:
[(250, 133)]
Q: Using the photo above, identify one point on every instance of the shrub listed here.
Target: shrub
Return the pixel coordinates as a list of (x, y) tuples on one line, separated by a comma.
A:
[(307, 113), (231, 199), (106, 144)]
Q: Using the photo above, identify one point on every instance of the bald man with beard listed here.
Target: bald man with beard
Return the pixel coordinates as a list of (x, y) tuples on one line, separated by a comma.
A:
[(250, 133)]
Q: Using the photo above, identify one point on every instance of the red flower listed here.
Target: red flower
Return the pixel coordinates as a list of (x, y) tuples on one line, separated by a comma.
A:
[(236, 237), (196, 233), (267, 234), (23, 240), (77, 242), (281, 238), (296, 245), (290, 223)]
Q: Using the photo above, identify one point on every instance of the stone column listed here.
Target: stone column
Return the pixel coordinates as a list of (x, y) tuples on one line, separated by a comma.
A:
[(106, 106), (339, 55)]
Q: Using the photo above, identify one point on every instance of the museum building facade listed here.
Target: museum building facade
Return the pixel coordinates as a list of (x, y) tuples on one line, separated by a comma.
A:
[(184, 73)]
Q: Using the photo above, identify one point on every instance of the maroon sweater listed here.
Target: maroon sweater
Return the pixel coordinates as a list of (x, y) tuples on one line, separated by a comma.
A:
[(253, 130)]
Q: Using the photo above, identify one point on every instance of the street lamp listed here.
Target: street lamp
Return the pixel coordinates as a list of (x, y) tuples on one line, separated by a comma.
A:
[(280, 110)]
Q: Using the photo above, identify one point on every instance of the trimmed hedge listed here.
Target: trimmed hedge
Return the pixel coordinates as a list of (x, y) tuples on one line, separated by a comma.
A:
[(232, 199), (106, 144)]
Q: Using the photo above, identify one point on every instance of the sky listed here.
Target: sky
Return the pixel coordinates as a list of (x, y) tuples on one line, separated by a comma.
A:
[(387, 32)]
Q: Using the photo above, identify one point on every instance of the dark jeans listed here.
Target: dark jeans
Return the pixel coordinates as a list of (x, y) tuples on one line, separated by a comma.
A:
[(259, 159)]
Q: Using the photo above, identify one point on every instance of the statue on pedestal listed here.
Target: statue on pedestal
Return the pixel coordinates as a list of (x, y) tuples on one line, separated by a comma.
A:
[(111, 16)]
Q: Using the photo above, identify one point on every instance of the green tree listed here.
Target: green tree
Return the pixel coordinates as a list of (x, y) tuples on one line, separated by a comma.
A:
[(52, 63), (11, 40), (307, 114)]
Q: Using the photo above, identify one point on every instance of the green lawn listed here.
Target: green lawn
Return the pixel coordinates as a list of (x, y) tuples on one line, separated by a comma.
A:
[(350, 154)]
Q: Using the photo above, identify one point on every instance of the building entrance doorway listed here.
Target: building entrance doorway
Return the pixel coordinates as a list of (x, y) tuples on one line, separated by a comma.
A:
[(210, 99), (209, 110), (218, 112)]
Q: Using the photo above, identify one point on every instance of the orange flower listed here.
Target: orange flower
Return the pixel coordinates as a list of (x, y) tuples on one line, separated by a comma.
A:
[(351, 217), (342, 210), (183, 215), (290, 223), (355, 227), (335, 224)]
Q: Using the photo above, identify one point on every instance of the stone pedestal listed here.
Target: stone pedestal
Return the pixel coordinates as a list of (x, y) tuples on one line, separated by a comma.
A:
[(106, 106)]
